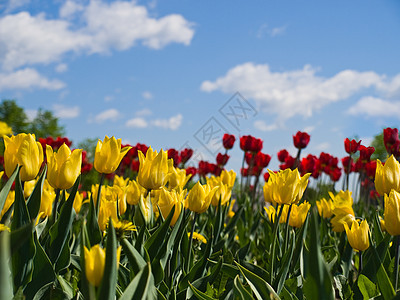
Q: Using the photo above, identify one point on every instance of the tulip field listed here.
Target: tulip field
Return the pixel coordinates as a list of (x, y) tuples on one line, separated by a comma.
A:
[(133, 222)]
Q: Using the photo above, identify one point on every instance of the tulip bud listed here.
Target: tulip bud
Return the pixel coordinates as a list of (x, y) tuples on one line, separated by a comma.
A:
[(199, 198), (64, 167), (144, 215), (108, 155), (95, 260), (325, 208), (298, 214), (177, 178), (392, 213), (133, 192), (23, 150), (228, 178), (167, 200), (301, 140)]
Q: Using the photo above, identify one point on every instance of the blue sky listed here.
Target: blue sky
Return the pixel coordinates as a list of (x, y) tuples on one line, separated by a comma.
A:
[(166, 73)]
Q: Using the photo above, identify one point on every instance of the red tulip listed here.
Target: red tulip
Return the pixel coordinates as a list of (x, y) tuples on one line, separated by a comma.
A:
[(250, 143), (352, 146), (391, 140), (301, 139), (282, 155), (174, 154), (365, 153), (348, 165), (185, 155), (222, 159), (228, 140)]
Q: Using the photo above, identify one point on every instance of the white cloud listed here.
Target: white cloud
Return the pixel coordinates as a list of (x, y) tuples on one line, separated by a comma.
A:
[(108, 98), (261, 125), (27, 39), (376, 107), (323, 146), (172, 123), (26, 79), (297, 92), (264, 30), (64, 112), (147, 95), (136, 123), (308, 129), (31, 114), (14, 4), (144, 112), (61, 68), (108, 115), (277, 31)]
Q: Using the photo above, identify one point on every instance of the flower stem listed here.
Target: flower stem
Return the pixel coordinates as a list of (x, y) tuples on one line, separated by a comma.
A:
[(190, 243), (276, 225), (360, 263), (241, 176), (54, 213), (287, 227), (396, 262), (98, 194)]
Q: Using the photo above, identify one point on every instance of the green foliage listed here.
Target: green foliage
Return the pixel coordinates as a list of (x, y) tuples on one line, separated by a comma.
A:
[(14, 116), (380, 150), (45, 124)]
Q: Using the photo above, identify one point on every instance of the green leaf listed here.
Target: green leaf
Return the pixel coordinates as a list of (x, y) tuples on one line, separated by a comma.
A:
[(22, 259), (43, 272), (136, 261), (367, 287), (33, 202), (66, 287), (240, 291), (261, 289), (6, 188), (318, 283), (92, 224), (85, 287), (142, 286), (157, 238), (384, 283), (6, 290), (285, 264), (20, 236), (109, 281), (199, 294), (59, 232)]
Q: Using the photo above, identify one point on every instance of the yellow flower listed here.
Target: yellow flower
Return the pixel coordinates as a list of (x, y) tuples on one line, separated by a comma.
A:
[(48, 197), (78, 201), (95, 260), (108, 208), (167, 200), (338, 222), (94, 191), (325, 208), (387, 177), (120, 181), (5, 129), (199, 237), (177, 177), (228, 178), (23, 150), (298, 214), (342, 203), (222, 192), (358, 235), (133, 192), (231, 213), (271, 213), (108, 155), (199, 197), (285, 187), (28, 187), (63, 166), (391, 213), (145, 207), (4, 228), (153, 169), (382, 223), (9, 201)]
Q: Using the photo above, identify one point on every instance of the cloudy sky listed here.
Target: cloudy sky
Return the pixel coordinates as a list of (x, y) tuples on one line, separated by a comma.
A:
[(181, 73)]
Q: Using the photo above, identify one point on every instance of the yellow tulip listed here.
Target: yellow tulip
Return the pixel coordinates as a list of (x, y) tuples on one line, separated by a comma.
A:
[(325, 208), (231, 213), (285, 187), (342, 203), (298, 214), (108, 155), (153, 169), (63, 166), (271, 213), (48, 197), (222, 192), (121, 181), (199, 197), (391, 213), (23, 150), (177, 178), (228, 178), (358, 235), (95, 260), (166, 202), (28, 187), (79, 201), (145, 207), (133, 192), (9, 201), (338, 222), (5, 129), (387, 177), (108, 208)]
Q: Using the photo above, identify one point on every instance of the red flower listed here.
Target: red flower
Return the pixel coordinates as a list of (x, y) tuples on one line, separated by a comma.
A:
[(301, 139), (139, 147), (309, 164), (282, 155), (244, 172), (191, 170), (250, 143), (261, 160), (135, 165), (348, 165), (288, 164), (228, 140), (266, 176), (186, 154), (352, 146), (174, 154), (391, 140), (365, 153), (335, 174), (370, 169), (222, 159)]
